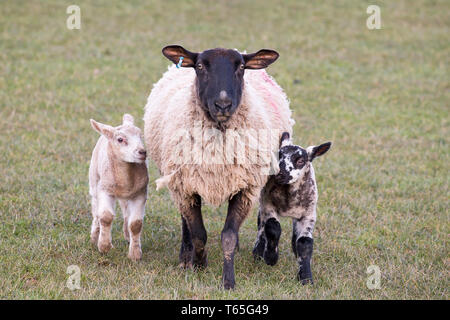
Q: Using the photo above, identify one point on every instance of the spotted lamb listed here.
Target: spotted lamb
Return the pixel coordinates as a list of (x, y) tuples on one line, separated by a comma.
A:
[(291, 193)]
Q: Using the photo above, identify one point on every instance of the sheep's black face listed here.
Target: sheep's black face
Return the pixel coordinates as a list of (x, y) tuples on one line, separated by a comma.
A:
[(220, 76)]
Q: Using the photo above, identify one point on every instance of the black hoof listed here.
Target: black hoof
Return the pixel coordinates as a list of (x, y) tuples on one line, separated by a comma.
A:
[(201, 260), (228, 285), (270, 257), (258, 250), (305, 281)]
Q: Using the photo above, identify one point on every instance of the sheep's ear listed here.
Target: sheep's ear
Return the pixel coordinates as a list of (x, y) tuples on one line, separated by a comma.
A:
[(103, 129), (317, 151), (285, 139), (128, 119), (261, 59), (173, 53)]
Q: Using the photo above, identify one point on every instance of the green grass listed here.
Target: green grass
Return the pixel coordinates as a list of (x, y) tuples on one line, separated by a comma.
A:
[(381, 96)]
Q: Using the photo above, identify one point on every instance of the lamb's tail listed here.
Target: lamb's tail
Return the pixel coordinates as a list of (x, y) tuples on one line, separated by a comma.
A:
[(164, 181)]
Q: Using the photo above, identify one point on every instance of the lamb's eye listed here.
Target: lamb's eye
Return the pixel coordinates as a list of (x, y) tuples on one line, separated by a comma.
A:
[(241, 66), (120, 140), (199, 66), (300, 162)]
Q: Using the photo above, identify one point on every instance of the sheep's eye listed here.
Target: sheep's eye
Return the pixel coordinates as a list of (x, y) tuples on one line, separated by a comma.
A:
[(199, 66), (300, 162), (241, 66), (120, 140)]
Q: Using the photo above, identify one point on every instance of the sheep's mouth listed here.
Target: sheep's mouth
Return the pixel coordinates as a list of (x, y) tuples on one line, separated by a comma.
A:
[(222, 118)]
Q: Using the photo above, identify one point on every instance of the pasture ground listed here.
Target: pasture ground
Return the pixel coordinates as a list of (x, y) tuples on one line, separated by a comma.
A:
[(382, 97)]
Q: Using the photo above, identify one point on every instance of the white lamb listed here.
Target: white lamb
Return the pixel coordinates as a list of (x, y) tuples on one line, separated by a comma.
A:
[(118, 171)]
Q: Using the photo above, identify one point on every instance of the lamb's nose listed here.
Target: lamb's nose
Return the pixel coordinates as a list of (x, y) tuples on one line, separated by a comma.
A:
[(142, 152)]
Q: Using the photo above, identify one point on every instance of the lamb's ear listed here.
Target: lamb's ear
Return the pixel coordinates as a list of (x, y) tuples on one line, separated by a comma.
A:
[(285, 139), (261, 59), (128, 119), (317, 151), (173, 53), (103, 129)]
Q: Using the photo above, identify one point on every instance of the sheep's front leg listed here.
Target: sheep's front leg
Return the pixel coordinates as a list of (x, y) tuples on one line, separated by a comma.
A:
[(106, 204), (136, 208), (302, 245), (125, 214), (238, 209), (193, 246), (269, 232)]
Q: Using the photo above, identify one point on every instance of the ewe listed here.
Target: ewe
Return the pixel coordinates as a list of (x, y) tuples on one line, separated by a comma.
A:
[(291, 193), (214, 95), (118, 171)]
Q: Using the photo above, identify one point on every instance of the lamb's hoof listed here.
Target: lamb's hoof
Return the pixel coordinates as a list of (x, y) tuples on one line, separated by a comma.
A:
[(94, 238), (135, 254), (104, 247), (270, 257), (258, 252), (258, 249)]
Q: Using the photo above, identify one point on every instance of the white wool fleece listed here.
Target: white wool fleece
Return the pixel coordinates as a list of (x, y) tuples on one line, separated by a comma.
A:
[(173, 105)]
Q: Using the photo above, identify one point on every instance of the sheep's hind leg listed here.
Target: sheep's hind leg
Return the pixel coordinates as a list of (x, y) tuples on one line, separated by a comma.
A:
[(187, 248), (238, 209), (193, 252), (302, 243)]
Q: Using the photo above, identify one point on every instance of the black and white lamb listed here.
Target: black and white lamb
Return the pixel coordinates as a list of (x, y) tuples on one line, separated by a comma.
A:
[(290, 193)]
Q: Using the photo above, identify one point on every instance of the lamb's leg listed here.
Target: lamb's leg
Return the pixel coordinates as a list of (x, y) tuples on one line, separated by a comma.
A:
[(95, 227), (106, 204), (272, 232), (260, 244), (136, 209), (238, 209), (125, 214), (269, 232), (193, 218), (302, 232)]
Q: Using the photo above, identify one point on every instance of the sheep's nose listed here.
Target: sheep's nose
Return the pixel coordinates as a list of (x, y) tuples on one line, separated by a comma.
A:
[(142, 152), (223, 104)]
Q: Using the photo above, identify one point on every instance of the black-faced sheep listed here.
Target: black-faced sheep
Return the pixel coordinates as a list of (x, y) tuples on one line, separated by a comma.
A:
[(118, 171), (197, 118), (291, 193)]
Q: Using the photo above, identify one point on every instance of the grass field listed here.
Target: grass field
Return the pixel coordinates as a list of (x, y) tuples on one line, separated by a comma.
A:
[(382, 96)]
